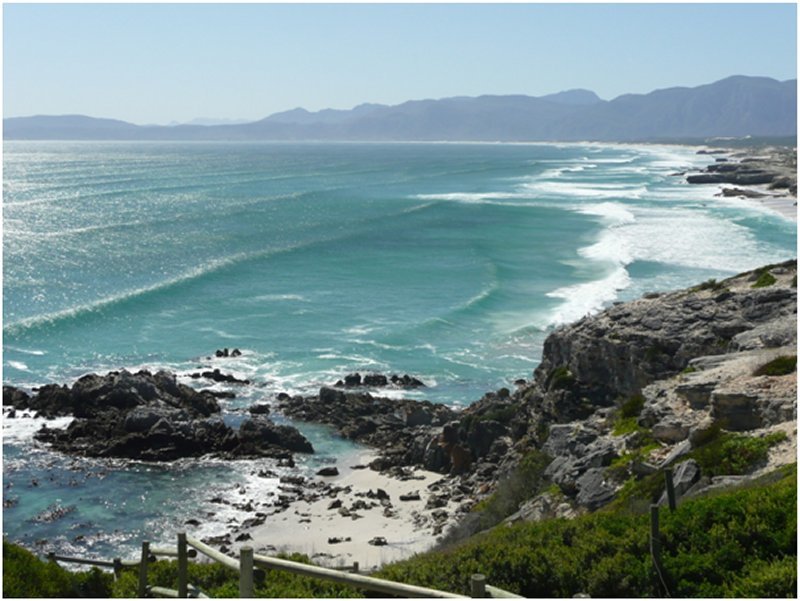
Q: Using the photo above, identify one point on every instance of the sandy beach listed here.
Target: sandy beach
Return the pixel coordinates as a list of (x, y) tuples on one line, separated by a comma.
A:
[(785, 205), (336, 530)]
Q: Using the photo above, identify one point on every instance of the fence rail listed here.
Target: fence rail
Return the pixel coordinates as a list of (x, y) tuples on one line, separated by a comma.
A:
[(248, 567)]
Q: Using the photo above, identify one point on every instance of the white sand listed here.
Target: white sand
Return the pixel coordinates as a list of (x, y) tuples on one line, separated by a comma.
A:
[(786, 206), (407, 532)]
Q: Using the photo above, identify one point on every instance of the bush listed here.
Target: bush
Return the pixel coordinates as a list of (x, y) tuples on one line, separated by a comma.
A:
[(25, 575), (632, 407), (779, 366), (524, 483), (217, 581), (740, 542), (735, 454), (709, 284), (764, 279), (560, 378)]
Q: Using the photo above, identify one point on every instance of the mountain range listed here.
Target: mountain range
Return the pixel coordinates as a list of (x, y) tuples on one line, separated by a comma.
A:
[(737, 106)]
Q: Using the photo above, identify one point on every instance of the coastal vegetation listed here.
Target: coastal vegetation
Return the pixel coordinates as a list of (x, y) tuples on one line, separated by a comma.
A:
[(734, 543), (25, 575), (780, 366)]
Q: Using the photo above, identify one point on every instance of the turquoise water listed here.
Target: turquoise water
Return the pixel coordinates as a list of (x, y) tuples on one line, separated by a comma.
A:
[(450, 262)]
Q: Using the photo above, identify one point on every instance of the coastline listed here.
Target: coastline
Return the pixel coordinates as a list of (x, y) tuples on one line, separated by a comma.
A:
[(763, 177), (305, 526)]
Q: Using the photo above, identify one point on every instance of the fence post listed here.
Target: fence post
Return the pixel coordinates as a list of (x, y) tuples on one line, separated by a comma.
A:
[(246, 588), (478, 586), (655, 546), (670, 488), (183, 567), (117, 568), (142, 590), (355, 567)]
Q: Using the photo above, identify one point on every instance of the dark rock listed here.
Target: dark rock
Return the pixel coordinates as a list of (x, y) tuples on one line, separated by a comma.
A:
[(736, 411), (594, 490), (218, 376), (328, 471), (151, 417), (378, 541), (414, 496), (261, 432), (335, 504), (15, 397), (335, 540), (351, 380), (259, 409), (375, 380), (684, 476)]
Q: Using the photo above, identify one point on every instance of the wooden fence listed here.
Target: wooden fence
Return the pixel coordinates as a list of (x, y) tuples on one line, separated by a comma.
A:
[(250, 568)]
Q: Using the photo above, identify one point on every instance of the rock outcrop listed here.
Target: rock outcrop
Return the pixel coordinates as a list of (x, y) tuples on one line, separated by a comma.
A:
[(150, 417), (774, 167), (680, 366)]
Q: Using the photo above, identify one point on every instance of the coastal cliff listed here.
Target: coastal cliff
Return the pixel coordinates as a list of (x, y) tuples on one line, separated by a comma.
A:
[(650, 383)]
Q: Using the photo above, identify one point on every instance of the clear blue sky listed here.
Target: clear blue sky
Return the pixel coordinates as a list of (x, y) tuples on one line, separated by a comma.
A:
[(156, 63)]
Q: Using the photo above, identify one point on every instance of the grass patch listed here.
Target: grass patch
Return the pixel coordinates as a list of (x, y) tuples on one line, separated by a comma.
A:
[(780, 366), (689, 369), (627, 425), (764, 279), (709, 284)]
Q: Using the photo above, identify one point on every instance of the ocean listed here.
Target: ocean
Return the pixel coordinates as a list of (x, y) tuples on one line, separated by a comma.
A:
[(449, 262)]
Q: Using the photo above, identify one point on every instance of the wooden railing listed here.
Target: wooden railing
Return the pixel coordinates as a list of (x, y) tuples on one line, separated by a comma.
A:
[(249, 567)]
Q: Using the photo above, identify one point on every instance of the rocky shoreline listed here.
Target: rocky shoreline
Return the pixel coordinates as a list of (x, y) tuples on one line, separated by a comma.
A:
[(767, 175), (670, 367)]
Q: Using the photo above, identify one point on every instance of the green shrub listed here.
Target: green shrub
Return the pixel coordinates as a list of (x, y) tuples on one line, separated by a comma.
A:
[(734, 454), (740, 542), (25, 575), (709, 284), (773, 579), (780, 366), (764, 280), (633, 406), (560, 378), (217, 581), (525, 482), (626, 425)]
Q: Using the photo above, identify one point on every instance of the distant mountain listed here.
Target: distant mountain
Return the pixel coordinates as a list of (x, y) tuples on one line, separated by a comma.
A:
[(213, 121), (733, 107), (574, 97)]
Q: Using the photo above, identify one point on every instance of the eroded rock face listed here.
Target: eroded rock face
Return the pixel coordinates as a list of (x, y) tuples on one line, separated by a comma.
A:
[(615, 354), (689, 357)]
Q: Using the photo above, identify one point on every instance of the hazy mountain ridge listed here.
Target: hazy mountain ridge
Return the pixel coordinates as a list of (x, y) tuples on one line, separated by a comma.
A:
[(735, 106)]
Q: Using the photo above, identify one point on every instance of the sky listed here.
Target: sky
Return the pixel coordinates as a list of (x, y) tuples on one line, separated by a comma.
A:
[(162, 63)]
